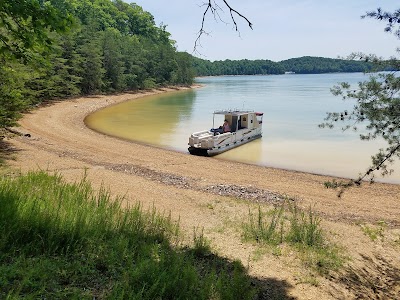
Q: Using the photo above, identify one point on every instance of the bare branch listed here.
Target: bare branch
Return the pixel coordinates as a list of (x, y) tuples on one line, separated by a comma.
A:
[(213, 7), (231, 10)]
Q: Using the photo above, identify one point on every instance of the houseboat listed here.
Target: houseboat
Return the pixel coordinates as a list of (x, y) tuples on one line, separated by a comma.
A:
[(240, 127)]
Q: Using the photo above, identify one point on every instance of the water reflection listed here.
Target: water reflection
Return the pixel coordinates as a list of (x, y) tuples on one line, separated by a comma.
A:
[(293, 107), (152, 119), (251, 153)]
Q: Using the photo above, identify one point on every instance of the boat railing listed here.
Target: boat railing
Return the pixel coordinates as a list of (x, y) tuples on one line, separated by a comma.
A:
[(197, 136), (201, 133)]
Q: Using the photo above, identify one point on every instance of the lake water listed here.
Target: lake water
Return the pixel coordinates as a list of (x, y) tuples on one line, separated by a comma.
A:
[(293, 106)]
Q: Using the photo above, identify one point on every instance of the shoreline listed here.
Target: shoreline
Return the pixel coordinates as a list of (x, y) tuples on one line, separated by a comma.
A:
[(214, 194), (338, 174), (67, 117)]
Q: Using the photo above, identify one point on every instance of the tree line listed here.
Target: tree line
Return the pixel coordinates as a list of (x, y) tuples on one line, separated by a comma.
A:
[(301, 65), (64, 48)]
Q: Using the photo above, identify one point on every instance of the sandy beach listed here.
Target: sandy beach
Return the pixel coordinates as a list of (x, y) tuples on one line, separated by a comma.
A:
[(216, 195)]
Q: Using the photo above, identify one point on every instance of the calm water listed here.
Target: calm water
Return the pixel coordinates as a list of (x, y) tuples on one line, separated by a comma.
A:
[(293, 106)]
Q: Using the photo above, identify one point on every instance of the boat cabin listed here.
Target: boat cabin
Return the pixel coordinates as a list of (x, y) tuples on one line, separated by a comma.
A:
[(245, 126), (238, 119)]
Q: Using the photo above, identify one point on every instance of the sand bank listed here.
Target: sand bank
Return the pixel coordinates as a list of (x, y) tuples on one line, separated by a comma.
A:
[(202, 192)]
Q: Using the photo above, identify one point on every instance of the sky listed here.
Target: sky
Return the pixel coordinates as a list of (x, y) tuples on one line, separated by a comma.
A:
[(282, 29)]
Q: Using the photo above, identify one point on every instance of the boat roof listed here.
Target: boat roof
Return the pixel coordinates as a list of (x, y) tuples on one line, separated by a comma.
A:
[(236, 112)]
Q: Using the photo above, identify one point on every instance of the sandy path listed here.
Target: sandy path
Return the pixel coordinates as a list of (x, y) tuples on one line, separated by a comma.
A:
[(192, 189)]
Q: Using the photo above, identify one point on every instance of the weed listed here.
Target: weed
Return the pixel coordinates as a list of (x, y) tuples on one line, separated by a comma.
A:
[(309, 279), (210, 206), (340, 185), (331, 184), (288, 224), (373, 232), (201, 244), (304, 229), (262, 230), (277, 251)]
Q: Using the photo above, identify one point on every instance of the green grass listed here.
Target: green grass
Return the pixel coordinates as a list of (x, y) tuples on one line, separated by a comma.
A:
[(286, 223), (374, 232), (64, 241)]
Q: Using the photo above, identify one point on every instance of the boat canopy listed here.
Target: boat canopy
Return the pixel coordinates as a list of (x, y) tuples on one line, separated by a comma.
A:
[(233, 112)]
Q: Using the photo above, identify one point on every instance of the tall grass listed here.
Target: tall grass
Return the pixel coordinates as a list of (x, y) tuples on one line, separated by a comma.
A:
[(64, 241), (286, 223)]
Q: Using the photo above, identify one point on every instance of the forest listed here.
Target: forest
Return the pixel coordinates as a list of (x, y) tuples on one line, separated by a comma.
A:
[(66, 48), (301, 65)]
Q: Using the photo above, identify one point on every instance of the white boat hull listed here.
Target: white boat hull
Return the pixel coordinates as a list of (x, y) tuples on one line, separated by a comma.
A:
[(210, 145), (244, 126)]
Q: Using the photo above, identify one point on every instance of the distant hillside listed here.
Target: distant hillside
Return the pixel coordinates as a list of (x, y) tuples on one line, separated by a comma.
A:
[(317, 65), (235, 67), (301, 65)]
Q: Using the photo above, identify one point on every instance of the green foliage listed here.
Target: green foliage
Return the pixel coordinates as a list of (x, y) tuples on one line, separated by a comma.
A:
[(377, 106), (286, 223), (270, 231), (91, 68), (14, 96), (112, 61), (25, 26), (64, 241), (392, 18), (301, 65), (318, 65), (272, 227), (374, 232), (305, 229), (201, 244), (185, 73), (338, 185), (239, 67), (112, 46)]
